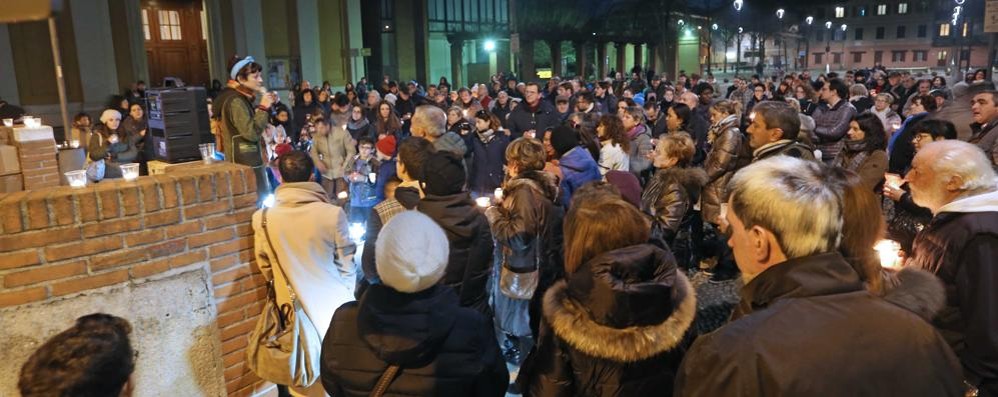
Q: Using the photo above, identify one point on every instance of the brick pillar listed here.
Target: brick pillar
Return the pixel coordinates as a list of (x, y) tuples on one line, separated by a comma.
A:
[(555, 46), (37, 154)]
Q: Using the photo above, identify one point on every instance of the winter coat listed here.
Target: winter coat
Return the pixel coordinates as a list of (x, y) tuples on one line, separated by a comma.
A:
[(612, 158), (784, 147), (959, 245), (302, 113), (986, 138), (386, 171), (524, 119), (488, 157), (861, 104), (451, 142), (577, 168), (616, 327), (442, 349), (900, 148), (807, 327), (669, 199), (641, 145), (721, 164), (529, 220), (501, 112), (335, 150), (608, 104), (362, 193), (312, 244), (871, 167), (361, 130), (239, 118), (470, 259), (831, 125)]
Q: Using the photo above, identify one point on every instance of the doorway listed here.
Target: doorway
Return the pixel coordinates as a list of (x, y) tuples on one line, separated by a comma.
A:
[(175, 41)]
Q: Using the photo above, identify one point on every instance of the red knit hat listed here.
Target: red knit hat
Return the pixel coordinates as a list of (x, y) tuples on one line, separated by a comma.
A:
[(282, 149), (386, 145)]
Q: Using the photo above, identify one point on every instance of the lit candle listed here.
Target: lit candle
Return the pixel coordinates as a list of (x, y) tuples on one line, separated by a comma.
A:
[(8, 122), (372, 177), (484, 201), (498, 193), (130, 171), (75, 143), (76, 178), (888, 251), (893, 180), (341, 195)]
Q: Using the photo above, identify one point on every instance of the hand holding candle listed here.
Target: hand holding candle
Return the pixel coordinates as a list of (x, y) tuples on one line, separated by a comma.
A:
[(888, 251)]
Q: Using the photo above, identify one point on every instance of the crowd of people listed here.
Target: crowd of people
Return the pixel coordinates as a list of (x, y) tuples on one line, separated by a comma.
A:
[(557, 229)]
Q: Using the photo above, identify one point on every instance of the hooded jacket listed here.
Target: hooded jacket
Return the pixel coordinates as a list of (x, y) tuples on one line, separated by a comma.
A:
[(442, 349), (451, 142), (959, 246), (616, 327), (470, 260), (808, 327), (669, 199), (721, 164), (577, 168)]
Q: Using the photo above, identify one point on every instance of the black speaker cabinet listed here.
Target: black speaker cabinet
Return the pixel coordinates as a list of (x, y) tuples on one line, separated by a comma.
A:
[(178, 123)]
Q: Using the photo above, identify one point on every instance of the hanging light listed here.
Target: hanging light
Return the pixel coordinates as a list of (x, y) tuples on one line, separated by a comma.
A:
[(682, 22), (843, 27), (809, 20), (738, 5), (828, 25), (714, 26), (779, 13)]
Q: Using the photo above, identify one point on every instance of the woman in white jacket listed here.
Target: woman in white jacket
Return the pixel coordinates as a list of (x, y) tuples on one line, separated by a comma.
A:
[(614, 145)]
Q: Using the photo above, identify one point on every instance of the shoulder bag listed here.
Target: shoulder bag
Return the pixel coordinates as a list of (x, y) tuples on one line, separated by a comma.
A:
[(284, 348)]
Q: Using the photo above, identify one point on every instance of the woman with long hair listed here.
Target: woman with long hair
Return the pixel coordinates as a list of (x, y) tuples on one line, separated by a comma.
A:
[(865, 150), (678, 118), (388, 122), (616, 324), (614, 145), (488, 154)]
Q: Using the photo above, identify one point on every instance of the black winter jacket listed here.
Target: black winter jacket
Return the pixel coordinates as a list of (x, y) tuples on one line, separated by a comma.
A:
[(616, 327), (522, 119), (807, 327), (470, 260), (442, 349)]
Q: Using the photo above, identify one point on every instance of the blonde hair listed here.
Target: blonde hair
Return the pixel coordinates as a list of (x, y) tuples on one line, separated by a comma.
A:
[(528, 154), (679, 146)]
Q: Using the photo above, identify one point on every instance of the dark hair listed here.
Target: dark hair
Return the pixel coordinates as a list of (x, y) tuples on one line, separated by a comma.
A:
[(296, 166), (873, 131), (412, 153), (246, 70), (839, 87), (94, 357), (777, 114), (936, 128), (683, 112), (613, 129), (365, 141), (341, 99), (927, 101), (492, 119), (586, 96), (79, 116)]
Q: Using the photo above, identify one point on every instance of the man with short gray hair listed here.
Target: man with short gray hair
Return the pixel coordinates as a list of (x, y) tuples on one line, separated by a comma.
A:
[(804, 309), (956, 181), (430, 122), (773, 130)]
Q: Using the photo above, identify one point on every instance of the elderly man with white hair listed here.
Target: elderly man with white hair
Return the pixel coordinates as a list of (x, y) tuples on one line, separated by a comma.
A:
[(806, 325), (955, 180), (430, 122)]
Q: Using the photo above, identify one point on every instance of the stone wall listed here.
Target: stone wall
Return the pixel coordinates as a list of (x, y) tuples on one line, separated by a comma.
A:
[(61, 244)]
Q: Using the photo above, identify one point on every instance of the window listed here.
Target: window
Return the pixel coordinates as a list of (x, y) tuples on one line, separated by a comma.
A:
[(966, 29), (169, 25), (817, 57), (857, 57), (942, 55), (859, 33), (919, 56), (898, 56), (861, 11), (820, 35), (880, 33), (878, 56), (882, 9), (901, 32), (840, 12), (145, 24), (902, 8), (944, 30), (922, 31), (836, 57)]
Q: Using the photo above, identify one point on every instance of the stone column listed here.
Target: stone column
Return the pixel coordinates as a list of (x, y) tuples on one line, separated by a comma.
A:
[(308, 42), (456, 60), (621, 57), (600, 60), (528, 71), (652, 60), (581, 58), (639, 55), (555, 46), (247, 15), (92, 29)]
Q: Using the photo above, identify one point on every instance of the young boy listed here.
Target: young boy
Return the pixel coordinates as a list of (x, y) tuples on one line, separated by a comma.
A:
[(362, 176)]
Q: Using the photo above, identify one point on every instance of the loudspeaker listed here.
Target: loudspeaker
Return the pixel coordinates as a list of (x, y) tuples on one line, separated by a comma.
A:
[(178, 123)]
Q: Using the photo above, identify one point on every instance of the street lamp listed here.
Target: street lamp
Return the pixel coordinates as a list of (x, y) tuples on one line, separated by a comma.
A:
[(828, 47), (782, 49), (490, 45), (738, 5), (779, 13), (807, 43), (738, 8)]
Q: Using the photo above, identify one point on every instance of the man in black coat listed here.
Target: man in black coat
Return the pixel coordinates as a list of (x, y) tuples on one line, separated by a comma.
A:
[(806, 325), (532, 115), (955, 180)]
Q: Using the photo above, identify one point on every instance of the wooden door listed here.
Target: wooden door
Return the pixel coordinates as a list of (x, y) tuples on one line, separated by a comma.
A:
[(176, 44)]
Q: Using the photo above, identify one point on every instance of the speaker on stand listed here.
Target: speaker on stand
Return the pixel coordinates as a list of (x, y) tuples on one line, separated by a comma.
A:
[(178, 123)]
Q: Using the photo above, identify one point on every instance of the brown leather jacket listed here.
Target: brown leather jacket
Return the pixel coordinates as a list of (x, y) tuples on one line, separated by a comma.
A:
[(722, 162)]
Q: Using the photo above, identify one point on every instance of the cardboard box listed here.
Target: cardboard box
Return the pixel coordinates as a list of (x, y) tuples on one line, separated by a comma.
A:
[(157, 167), (9, 163), (11, 183)]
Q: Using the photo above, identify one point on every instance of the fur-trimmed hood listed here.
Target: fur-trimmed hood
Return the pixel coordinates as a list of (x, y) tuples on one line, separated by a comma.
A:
[(541, 181), (634, 306), (691, 178), (917, 290)]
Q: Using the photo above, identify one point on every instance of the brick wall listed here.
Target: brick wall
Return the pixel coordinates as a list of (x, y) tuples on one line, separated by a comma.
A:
[(58, 242)]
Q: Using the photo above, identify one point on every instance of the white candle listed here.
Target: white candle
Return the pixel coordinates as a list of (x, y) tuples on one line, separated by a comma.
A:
[(483, 201), (341, 195), (888, 251), (498, 193), (372, 177), (130, 171)]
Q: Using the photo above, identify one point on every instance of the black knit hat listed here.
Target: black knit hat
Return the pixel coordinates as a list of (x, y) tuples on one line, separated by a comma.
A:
[(563, 139), (443, 174)]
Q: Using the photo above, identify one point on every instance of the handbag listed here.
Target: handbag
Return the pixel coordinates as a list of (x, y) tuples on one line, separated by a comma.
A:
[(284, 348)]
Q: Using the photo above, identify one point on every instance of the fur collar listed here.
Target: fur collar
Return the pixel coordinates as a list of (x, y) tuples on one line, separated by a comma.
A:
[(572, 324), (691, 178), (916, 290), (540, 181)]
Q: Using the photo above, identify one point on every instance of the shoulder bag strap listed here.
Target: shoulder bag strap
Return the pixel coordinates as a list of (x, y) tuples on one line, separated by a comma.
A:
[(277, 263), (385, 380)]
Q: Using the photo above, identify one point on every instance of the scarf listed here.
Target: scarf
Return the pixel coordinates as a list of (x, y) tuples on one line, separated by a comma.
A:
[(486, 136), (245, 91), (859, 151), (634, 132), (356, 125), (716, 129)]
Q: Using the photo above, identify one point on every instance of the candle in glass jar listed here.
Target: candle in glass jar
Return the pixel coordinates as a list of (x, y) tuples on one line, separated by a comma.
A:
[(130, 171), (75, 143), (483, 201), (888, 251)]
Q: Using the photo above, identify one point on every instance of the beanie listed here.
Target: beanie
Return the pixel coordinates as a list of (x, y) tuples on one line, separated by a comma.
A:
[(282, 149), (627, 184), (386, 145), (563, 139), (443, 174), (412, 251)]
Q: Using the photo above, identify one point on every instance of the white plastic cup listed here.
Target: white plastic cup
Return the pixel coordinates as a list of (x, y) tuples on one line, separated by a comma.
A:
[(483, 201), (130, 171), (207, 152), (8, 122), (76, 178)]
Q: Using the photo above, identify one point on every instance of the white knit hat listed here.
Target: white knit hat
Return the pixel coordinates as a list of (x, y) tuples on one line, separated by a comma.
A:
[(411, 252)]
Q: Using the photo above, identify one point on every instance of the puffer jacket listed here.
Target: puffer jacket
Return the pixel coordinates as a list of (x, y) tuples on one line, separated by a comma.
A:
[(721, 164), (958, 246), (442, 349), (669, 199), (577, 168), (527, 228), (470, 260), (831, 125), (808, 327), (616, 327)]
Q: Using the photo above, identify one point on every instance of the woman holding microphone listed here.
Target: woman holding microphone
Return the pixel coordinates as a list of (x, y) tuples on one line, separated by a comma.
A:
[(242, 123)]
